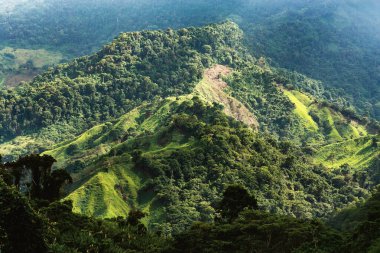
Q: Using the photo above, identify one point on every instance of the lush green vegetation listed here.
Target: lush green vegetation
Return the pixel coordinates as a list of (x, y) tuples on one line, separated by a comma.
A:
[(29, 224), (292, 106), (133, 68), (72, 97), (333, 41), (254, 230), (17, 65), (172, 159), (165, 122)]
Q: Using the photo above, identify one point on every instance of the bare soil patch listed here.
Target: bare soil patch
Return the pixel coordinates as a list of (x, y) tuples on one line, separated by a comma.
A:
[(213, 77), (13, 80)]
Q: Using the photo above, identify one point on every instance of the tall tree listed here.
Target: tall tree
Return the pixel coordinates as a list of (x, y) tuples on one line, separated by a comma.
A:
[(235, 199)]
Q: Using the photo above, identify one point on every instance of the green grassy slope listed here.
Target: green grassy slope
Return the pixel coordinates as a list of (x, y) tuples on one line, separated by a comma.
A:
[(18, 64), (108, 182), (105, 183), (322, 119), (359, 153), (302, 102), (109, 193)]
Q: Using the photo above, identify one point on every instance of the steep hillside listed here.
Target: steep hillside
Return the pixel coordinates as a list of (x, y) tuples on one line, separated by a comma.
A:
[(334, 41), (134, 68), (292, 106), (164, 121), (320, 118), (359, 153), (132, 162), (172, 159)]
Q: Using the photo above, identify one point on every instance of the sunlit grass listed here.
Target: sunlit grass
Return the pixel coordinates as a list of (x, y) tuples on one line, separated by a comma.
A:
[(302, 110), (358, 153), (17, 57)]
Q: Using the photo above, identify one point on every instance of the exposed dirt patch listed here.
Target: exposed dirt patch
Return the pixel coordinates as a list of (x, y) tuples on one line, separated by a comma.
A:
[(13, 80), (212, 88), (215, 74)]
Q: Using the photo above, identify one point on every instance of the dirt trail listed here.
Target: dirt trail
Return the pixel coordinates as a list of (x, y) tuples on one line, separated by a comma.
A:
[(212, 88)]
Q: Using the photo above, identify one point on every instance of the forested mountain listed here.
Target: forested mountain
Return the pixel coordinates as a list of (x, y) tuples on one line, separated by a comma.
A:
[(35, 225), (137, 67), (134, 68), (190, 103), (332, 41), (188, 139)]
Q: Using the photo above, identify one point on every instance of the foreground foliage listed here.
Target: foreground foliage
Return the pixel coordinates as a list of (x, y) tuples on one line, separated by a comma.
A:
[(42, 227), (173, 158)]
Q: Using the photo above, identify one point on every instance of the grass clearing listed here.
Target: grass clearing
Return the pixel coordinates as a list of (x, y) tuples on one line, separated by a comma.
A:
[(20, 64), (16, 57), (324, 120), (99, 197), (358, 153), (301, 109)]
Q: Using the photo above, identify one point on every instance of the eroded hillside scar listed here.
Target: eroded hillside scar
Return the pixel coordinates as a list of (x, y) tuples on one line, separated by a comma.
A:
[(212, 88), (215, 76)]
